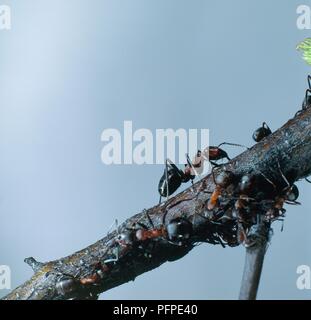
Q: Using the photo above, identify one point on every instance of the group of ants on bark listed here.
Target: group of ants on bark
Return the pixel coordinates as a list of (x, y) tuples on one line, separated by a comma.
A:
[(242, 201)]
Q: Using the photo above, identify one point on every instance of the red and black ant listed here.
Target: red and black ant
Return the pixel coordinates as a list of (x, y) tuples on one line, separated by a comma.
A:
[(287, 195), (177, 232), (173, 177), (222, 181), (97, 276), (214, 153)]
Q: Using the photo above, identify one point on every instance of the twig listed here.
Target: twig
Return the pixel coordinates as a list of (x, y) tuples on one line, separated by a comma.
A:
[(254, 259), (121, 256)]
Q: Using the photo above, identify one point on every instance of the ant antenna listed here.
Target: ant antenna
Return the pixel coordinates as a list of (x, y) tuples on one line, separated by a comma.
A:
[(264, 125), (115, 223), (282, 228), (148, 217), (266, 178), (232, 144), (189, 161)]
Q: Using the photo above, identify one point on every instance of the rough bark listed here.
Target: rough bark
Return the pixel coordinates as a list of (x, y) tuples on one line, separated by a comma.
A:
[(87, 273)]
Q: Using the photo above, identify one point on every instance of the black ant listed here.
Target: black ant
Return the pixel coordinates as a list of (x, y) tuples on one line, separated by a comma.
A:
[(307, 100), (262, 132), (173, 177), (288, 195)]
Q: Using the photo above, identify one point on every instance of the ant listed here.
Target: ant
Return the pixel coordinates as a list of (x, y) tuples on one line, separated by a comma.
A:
[(288, 195), (262, 132), (173, 177), (97, 276), (216, 153), (178, 231), (307, 100), (222, 181)]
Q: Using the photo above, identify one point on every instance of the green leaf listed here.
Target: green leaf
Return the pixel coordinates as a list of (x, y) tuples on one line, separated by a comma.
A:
[(305, 47)]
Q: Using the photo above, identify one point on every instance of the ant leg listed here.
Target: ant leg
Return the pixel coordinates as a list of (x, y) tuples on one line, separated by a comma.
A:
[(115, 259), (309, 81), (216, 165), (160, 199), (189, 161), (268, 180), (264, 125), (115, 224), (149, 219), (283, 176), (213, 174), (282, 228), (309, 181), (305, 102), (166, 178), (293, 203)]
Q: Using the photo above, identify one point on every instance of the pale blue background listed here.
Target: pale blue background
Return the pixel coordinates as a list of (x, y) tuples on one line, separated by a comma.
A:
[(69, 69)]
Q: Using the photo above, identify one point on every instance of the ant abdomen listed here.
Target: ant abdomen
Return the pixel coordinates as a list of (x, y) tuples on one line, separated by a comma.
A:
[(224, 179), (179, 230), (67, 286)]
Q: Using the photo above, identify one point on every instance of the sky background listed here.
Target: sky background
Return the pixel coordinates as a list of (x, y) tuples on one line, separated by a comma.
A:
[(70, 69)]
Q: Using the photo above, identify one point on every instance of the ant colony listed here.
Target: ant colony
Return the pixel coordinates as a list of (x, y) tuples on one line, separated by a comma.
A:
[(232, 209)]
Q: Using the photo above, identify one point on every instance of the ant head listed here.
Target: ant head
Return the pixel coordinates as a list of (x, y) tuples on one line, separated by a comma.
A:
[(179, 230), (246, 183), (126, 237), (292, 193), (224, 179)]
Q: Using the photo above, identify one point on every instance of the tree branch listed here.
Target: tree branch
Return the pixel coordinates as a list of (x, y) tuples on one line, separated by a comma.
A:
[(254, 259), (169, 231)]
